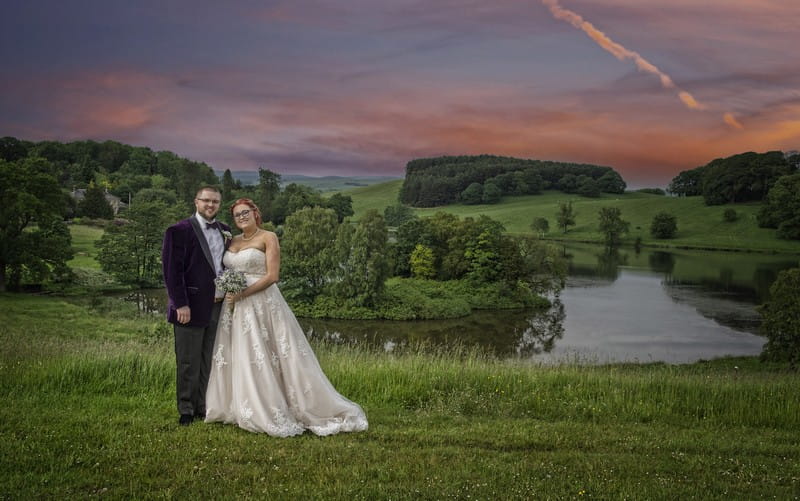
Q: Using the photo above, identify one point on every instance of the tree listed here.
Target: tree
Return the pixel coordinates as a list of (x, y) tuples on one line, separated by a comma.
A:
[(422, 262), (32, 233), (664, 225), (189, 176), (688, 183), (269, 187), (473, 194), (168, 197), (743, 177), (612, 226), (484, 253), (363, 264), (781, 319), (407, 236), (491, 193), (309, 238), (130, 249), (397, 214), (228, 185), (12, 149), (781, 208), (95, 205), (540, 225), (293, 198), (587, 187), (611, 182), (568, 183), (565, 215), (342, 205)]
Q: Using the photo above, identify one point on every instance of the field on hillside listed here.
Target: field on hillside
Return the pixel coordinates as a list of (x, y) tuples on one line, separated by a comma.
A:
[(699, 225)]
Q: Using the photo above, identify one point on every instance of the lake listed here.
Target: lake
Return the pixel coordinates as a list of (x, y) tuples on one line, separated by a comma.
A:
[(668, 306)]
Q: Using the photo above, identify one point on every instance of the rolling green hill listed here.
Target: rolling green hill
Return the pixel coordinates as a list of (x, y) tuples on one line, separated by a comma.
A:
[(699, 225)]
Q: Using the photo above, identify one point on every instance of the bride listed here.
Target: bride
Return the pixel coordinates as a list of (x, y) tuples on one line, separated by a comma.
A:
[(264, 375)]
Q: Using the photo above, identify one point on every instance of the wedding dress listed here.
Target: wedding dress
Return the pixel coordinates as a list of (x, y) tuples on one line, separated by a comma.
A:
[(264, 375)]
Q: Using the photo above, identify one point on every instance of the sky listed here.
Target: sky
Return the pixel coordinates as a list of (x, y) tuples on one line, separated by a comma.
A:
[(361, 87)]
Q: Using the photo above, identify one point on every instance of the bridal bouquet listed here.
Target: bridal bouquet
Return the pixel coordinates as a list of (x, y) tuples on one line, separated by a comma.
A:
[(231, 281)]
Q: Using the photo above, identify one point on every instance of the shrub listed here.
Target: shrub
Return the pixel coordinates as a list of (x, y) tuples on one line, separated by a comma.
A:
[(730, 215), (781, 319), (664, 225), (652, 191)]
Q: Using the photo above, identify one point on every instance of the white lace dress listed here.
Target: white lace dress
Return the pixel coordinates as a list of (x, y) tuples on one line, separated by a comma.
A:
[(265, 377)]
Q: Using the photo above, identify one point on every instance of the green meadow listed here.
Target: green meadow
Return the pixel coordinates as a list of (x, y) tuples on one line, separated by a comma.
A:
[(83, 239), (699, 226), (88, 393)]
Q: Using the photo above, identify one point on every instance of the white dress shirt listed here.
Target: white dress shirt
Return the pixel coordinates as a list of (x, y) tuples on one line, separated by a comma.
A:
[(215, 244)]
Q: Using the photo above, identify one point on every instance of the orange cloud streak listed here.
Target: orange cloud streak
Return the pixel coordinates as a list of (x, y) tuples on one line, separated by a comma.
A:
[(622, 53), (731, 120)]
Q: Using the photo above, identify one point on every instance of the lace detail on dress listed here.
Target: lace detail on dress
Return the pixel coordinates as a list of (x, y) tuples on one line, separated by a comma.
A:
[(259, 353), (337, 425), (246, 413), (285, 426), (227, 317), (219, 358)]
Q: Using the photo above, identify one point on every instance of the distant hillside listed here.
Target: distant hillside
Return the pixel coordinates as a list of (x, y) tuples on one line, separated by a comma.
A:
[(699, 225), (323, 183)]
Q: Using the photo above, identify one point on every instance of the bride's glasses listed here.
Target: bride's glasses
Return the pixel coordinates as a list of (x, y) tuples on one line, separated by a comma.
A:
[(243, 214)]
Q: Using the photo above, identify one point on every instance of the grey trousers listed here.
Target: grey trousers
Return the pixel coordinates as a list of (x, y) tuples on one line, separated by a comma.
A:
[(194, 348)]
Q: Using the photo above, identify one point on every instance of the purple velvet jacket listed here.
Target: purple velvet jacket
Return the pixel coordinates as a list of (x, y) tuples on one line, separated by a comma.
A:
[(189, 271)]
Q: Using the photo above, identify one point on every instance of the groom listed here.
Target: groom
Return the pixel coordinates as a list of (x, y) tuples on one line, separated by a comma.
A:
[(192, 258)]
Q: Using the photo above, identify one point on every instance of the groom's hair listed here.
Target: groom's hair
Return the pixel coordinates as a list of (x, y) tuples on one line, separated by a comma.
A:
[(207, 188)]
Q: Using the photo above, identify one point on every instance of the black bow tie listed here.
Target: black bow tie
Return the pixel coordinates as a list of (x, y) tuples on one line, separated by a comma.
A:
[(214, 225)]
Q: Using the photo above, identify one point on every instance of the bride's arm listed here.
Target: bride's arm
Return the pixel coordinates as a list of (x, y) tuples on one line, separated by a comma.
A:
[(273, 261)]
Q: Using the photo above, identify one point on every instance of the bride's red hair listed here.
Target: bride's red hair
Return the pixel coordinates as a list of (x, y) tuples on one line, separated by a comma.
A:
[(253, 207)]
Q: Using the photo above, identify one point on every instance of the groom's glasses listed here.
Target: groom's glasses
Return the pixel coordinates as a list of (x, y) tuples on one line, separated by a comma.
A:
[(243, 214)]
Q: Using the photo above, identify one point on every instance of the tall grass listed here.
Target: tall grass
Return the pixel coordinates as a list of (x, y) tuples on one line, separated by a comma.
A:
[(93, 415)]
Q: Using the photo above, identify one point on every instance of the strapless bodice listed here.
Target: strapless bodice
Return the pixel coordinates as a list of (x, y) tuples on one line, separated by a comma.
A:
[(249, 261)]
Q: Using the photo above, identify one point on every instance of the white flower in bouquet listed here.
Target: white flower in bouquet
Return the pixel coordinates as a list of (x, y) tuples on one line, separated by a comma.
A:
[(231, 281)]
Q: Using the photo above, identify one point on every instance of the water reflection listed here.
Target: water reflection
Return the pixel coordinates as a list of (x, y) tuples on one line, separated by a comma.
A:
[(147, 300), (746, 276), (673, 306), (501, 333)]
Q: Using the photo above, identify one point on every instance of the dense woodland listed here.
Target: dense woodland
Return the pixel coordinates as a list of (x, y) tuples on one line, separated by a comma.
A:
[(772, 178), (744, 177), (432, 182)]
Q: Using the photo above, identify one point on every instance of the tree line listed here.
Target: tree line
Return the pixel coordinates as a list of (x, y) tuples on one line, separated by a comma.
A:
[(38, 182), (770, 177), (432, 182)]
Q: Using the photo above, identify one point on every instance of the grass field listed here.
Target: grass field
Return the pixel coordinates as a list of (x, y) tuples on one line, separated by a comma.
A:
[(83, 238), (88, 410), (699, 226)]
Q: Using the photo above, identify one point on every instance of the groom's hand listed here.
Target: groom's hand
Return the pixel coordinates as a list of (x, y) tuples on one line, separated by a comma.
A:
[(184, 314)]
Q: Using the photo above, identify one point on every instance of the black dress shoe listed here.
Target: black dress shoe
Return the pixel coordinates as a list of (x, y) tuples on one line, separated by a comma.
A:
[(186, 419)]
